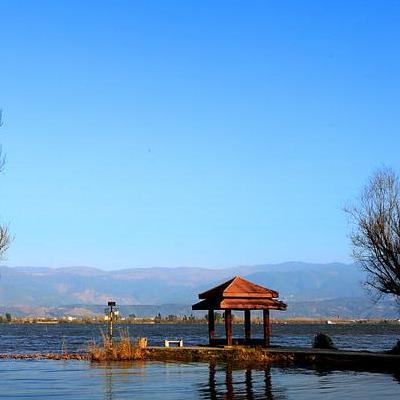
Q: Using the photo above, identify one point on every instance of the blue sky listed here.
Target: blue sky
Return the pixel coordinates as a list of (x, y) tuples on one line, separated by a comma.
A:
[(172, 133)]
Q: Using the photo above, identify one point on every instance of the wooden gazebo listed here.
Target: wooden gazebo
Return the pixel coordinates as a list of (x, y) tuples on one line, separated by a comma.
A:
[(239, 294)]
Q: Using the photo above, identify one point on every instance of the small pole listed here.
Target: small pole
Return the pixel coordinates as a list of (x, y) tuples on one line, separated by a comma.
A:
[(111, 305)]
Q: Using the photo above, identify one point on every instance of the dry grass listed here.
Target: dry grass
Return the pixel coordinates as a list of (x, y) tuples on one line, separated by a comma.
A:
[(117, 350), (41, 356)]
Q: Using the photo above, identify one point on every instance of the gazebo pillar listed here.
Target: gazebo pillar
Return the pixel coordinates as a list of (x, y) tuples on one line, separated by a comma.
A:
[(247, 326), (267, 327), (211, 325), (228, 327)]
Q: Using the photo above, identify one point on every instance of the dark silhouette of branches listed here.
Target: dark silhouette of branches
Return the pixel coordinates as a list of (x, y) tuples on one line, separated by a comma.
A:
[(5, 238), (375, 237)]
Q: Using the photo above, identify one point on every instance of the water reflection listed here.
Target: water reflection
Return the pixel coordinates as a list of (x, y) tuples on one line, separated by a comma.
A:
[(116, 375), (396, 376), (268, 384), (226, 383), (212, 382), (108, 383), (249, 385)]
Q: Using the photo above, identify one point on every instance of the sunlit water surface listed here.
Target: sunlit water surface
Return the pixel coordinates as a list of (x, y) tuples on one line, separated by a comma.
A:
[(29, 338), (49, 379)]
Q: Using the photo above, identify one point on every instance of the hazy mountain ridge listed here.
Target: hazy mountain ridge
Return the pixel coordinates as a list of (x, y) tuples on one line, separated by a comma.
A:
[(350, 308), (308, 288)]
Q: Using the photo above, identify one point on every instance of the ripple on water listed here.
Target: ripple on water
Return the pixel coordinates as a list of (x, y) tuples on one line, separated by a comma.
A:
[(31, 338), (37, 379)]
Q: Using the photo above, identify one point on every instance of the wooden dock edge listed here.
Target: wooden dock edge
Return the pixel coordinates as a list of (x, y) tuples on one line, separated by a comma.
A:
[(244, 356)]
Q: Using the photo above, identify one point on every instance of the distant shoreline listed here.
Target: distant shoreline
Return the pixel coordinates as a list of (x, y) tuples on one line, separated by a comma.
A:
[(146, 321)]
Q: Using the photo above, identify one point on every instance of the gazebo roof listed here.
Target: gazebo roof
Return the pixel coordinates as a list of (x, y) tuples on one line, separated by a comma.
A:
[(240, 294), (238, 287)]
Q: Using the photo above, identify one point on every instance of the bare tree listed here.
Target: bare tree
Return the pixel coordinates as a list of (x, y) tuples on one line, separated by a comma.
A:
[(375, 237), (5, 238)]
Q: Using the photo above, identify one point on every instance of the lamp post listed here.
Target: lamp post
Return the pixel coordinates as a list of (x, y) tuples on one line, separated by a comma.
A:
[(112, 313)]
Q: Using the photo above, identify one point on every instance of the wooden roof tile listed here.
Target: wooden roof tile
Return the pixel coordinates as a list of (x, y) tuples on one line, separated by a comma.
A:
[(239, 287)]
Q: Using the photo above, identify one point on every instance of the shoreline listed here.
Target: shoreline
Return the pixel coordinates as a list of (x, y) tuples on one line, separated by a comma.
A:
[(237, 321), (245, 357)]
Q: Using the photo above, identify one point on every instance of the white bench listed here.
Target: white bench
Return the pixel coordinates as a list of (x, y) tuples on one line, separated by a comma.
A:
[(179, 342)]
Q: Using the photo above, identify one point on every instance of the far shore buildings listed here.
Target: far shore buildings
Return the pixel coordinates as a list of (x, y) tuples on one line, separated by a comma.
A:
[(240, 295)]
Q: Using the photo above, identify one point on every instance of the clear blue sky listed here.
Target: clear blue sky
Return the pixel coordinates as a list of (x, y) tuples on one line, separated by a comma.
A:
[(171, 133)]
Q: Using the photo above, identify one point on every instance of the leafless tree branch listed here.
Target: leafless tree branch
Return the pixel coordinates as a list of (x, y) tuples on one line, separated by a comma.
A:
[(5, 240), (375, 237), (5, 237)]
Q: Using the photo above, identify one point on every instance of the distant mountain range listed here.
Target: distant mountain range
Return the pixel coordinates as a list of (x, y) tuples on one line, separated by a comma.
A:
[(311, 290)]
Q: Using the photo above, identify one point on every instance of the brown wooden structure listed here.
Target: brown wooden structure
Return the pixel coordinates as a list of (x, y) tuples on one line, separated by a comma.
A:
[(239, 294)]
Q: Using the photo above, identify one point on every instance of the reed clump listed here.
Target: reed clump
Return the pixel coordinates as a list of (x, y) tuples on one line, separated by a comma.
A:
[(122, 349)]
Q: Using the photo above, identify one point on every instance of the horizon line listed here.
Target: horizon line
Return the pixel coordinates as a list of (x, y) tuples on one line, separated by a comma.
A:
[(110, 269)]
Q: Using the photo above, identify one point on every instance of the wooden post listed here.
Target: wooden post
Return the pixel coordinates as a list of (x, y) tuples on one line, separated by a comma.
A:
[(211, 326), (267, 328), (228, 327), (247, 326)]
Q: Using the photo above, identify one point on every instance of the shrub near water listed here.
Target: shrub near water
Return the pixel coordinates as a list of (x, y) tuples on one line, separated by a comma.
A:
[(119, 350), (395, 349)]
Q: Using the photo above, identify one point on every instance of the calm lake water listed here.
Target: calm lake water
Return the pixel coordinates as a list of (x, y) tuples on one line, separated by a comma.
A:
[(49, 379), (33, 338)]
